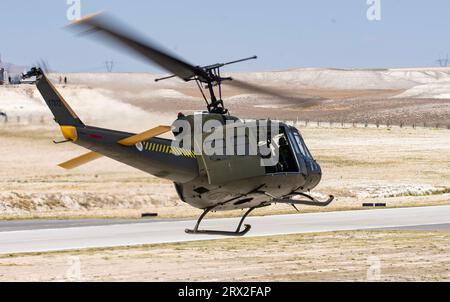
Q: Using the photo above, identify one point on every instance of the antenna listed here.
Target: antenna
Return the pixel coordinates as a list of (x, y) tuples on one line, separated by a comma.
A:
[(210, 76)]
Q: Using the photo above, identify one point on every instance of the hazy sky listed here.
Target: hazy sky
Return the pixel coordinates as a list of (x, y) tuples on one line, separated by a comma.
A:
[(284, 34)]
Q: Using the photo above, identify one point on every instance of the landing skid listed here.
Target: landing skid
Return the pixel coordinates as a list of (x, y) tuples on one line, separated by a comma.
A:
[(238, 231), (311, 201)]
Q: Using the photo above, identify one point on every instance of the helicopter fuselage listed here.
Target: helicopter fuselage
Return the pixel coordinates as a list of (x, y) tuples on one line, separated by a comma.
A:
[(228, 182), (246, 193)]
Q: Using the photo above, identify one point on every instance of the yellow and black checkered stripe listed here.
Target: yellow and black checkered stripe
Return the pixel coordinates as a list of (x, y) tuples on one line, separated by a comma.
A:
[(168, 149)]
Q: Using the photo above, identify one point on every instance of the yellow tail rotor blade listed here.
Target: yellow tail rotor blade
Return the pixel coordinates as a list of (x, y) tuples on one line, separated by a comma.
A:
[(80, 160), (129, 141)]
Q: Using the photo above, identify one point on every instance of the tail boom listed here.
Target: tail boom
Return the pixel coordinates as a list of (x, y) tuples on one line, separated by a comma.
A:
[(124, 147)]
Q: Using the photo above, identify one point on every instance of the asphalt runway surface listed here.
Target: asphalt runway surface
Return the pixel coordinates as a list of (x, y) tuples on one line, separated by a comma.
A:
[(55, 235)]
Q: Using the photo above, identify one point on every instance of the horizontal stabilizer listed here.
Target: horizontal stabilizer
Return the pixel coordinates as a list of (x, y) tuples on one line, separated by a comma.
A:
[(130, 141), (80, 160)]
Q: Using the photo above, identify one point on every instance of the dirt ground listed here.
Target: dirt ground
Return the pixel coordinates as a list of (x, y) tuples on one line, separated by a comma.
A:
[(337, 256), (401, 167)]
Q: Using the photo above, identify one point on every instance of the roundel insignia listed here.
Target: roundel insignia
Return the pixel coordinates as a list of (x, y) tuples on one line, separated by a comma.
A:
[(139, 146)]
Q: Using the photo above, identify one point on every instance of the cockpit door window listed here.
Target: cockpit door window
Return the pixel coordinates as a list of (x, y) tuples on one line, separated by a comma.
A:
[(301, 144)]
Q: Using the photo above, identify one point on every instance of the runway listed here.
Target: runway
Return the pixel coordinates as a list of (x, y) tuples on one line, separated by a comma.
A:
[(55, 235)]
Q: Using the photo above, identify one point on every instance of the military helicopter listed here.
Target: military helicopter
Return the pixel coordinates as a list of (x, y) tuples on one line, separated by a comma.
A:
[(211, 182)]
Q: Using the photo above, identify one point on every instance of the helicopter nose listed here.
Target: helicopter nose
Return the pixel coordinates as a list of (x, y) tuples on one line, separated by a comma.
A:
[(314, 175)]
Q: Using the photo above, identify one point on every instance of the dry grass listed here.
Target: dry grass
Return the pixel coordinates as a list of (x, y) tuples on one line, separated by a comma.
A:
[(337, 256)]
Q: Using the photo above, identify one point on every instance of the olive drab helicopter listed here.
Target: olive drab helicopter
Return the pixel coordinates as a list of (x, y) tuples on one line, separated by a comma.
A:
[(209, 182)]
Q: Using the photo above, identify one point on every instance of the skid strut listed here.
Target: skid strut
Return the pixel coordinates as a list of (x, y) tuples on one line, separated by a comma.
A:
[(238, 231)]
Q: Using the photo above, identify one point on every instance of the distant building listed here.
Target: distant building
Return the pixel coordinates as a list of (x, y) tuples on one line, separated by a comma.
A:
[(3, 76), (10, 71)]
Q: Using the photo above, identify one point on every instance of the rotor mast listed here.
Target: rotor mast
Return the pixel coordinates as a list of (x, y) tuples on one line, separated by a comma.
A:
[(212, 79)]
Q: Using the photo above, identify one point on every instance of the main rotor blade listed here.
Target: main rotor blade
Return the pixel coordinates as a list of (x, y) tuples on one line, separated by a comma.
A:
[(303, 100), (110, 29), (43, 65)]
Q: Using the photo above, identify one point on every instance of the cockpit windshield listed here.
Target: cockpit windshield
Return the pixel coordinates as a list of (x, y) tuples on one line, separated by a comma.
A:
[(301, 145), (292, 151)]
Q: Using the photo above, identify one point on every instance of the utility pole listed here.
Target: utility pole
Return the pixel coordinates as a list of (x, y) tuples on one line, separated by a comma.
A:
[(443, 62), (109, 65)]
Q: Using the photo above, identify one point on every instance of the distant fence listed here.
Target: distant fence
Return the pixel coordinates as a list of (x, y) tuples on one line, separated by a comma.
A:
[(344, 125), (26, 120), (47, 119)]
